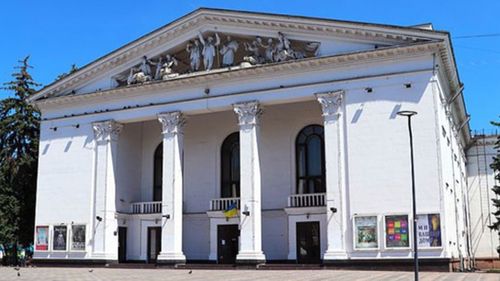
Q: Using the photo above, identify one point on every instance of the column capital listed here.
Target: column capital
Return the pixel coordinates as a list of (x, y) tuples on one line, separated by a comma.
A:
[(248, 112), (172, 122), (108, 130), (330, 102)]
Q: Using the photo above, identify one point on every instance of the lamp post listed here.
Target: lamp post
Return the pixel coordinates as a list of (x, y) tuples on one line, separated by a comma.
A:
[(409, 114)]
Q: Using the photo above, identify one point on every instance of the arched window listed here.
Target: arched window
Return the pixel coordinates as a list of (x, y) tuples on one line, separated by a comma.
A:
[(230, 166), (310, 160), (158, 173)]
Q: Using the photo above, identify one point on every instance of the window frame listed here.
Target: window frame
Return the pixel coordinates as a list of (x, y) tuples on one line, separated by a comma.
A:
[(226, 155), (308, 178)]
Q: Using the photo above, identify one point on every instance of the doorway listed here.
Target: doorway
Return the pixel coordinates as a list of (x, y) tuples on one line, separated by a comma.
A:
[(227, 243), (154, 243), (308, 242), (122, 244)]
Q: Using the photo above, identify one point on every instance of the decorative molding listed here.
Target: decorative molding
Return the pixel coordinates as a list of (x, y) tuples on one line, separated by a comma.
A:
[(248, 113), (172, 122), (297, 66), (325, 27), (330, 102), (108, 130)]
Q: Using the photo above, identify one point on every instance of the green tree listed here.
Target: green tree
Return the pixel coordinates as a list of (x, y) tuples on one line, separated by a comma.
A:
[(496, 189), (19, 138), (73, 69)]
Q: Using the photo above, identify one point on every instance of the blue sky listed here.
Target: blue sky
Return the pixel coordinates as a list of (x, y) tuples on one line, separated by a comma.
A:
[(59, 33)]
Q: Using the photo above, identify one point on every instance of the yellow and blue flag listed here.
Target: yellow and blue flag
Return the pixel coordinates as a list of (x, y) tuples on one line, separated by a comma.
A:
[(231, 211)]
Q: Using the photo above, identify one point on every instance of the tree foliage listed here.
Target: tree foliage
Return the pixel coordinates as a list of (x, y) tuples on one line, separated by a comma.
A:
[(496, 189), (19, 138), (73, 69)]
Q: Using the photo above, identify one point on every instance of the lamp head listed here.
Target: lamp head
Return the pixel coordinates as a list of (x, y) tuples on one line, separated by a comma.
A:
[(407, 113)]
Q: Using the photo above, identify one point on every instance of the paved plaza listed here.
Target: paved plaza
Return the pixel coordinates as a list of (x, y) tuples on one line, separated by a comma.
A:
[(105, 274)]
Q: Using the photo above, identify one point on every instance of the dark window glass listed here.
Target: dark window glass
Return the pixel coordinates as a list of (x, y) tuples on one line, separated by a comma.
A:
[(310, 163), (230, 166), (157, 173)]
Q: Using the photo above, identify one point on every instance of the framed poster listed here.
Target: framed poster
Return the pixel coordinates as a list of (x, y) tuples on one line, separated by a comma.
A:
[(78, 237), (365, 232), (42, 238), (60, 238), (429, 230), (396, 231)]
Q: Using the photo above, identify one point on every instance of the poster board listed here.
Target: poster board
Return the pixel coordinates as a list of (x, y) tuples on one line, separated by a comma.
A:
[(60, 238), (397, 231), (42, 238), (429, 231), (365, 232), (78, 237)]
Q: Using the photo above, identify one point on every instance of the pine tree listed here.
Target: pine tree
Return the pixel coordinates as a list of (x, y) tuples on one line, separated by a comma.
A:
[(19, 138), (496, 189)]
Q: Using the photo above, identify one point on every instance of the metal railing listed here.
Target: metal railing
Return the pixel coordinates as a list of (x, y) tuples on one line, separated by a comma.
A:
[(307, 200), (222, 204), (146, 207)]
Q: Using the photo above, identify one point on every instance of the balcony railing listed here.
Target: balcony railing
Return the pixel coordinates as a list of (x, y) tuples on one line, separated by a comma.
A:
[(306, 200), (146, 207), (222, 204)]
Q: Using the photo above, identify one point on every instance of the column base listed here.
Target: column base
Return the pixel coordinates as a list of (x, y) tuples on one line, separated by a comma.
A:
[(104, 256), (335, 255), (171, 258), (250, 258)]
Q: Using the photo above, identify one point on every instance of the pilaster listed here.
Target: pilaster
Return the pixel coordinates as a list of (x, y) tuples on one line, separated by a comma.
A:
[(104, 242), (336, 192)]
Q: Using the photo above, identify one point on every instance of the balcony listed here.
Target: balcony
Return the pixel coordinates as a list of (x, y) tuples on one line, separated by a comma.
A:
[(139, 208), (306, 200), (221, 204)]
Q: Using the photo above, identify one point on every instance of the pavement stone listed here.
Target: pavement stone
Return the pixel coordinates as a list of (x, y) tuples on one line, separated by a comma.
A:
[(115, 274)]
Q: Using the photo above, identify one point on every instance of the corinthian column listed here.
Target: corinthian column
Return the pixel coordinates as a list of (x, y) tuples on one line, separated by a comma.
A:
[(250, 184), (337, 216), (171, 233), (104, 242)]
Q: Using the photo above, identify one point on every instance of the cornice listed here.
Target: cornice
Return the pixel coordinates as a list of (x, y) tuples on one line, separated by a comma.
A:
[(363, 32), (202, 78)]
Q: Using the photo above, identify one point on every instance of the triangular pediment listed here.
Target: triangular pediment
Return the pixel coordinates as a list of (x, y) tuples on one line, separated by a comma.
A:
[(253, 38)]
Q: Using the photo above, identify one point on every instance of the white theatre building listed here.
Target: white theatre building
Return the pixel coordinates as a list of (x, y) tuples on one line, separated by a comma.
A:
[(291, 120)]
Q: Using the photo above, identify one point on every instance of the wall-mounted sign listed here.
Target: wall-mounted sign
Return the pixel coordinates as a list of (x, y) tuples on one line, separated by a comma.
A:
[(429, 230), (60, 238), (365, 232), (78, 237), (396, 231), (42, 238)]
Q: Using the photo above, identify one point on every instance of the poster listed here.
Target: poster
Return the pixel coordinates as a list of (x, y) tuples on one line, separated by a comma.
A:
[(78, 238), (429, 230), (60, 238), (365, 228), (396, 231), (42, 238)]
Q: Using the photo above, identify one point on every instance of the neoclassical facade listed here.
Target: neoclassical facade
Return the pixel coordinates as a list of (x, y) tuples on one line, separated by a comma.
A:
[(292, 121)]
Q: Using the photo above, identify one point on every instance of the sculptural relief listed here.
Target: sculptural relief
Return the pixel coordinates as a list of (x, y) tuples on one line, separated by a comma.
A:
[(214, 53), (208, 51)]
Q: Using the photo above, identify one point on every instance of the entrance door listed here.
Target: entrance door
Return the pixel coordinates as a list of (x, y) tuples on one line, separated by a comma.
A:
[(122, 244), (227, 243), (308, 247), (154, 243)]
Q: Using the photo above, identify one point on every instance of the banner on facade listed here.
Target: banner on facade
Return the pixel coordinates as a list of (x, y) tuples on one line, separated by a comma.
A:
[(78, 238), (429, 230), (60, 238), (396, 231), (365, 232), (42, 238)]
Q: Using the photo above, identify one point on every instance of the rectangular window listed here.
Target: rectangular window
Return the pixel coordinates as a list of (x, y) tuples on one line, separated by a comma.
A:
[(42, 238), (429, 231), (397, 231), (365, 232), (60, 238), (78, 237)]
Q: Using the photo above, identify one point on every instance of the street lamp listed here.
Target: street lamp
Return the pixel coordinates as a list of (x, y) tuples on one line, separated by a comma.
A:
[(409, 114)]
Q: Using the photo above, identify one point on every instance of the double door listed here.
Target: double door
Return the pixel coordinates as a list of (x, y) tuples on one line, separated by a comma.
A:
[(308, 242), (227, 243)]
